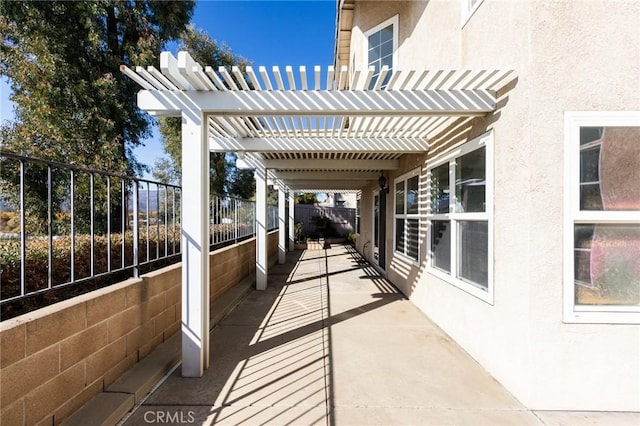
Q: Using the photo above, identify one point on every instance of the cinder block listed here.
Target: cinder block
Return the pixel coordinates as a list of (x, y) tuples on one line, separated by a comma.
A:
[(165, 319), (45, 399), (118, 370), (54, 327), (138, 337), (174, 295), (75, 403), (105, 359), (134, 294), (151, 345), (123, 322), (22, 377), (13, 414), (83, 344), (143, 376), (106, 306), (157, 304), (172, 330), (12, 344)]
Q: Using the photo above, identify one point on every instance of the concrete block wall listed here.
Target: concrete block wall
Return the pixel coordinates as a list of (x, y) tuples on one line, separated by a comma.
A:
[(55, 359)]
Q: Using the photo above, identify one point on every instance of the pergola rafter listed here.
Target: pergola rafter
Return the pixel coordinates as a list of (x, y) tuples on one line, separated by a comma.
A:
[(303, 130)]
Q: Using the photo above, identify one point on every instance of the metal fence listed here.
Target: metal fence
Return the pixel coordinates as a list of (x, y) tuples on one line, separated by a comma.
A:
[(62, 225)]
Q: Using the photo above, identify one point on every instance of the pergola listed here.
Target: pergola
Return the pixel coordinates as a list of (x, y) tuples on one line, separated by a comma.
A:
[(308, 130)]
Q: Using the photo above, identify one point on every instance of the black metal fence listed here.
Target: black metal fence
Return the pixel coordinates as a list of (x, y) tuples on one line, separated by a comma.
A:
[(64, 226)]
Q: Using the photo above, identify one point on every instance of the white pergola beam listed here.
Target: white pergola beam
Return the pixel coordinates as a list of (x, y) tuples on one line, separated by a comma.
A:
[(318, 144), (336, 185), (195, 247), (282, 225), (328, 175), (320, 164), (262, 260), (462, 102)]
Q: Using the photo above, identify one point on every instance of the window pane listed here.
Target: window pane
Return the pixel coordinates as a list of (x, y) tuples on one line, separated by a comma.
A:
[(470, 182), (440, 189), (386, 49), (589, 134), (400, 235), (617, 167), (473, 252), (582, 254), (413, 226), (589, 164), (374, 40), (400, 197), (590, 197), (374, 54), (386, 34), (441, 245), (412, 195), (607, 259)]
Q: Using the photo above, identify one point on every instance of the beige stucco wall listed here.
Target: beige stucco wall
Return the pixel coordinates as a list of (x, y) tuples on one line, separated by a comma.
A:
[(567, 56)]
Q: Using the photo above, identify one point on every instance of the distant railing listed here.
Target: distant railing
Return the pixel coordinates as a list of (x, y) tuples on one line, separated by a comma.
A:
[(61, 225)]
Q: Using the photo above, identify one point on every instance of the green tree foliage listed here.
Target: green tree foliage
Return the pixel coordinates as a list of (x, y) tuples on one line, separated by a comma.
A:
[(72, 103), (225, 178), (306, 198)]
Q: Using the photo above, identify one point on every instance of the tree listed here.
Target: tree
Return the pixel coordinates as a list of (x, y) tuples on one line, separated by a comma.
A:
[(306, 198), (225, 178), (63, 58), (72, 104)]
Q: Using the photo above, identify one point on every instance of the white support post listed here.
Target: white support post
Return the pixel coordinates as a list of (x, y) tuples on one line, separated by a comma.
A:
[(262, 260), (195, 245), (282, 225), (292, 235)]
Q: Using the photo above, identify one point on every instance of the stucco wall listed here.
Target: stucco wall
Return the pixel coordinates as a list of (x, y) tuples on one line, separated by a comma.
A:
[(53, 360), (567, 56)]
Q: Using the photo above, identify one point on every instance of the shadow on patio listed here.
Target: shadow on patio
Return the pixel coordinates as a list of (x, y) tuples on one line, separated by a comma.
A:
[(331, 342)]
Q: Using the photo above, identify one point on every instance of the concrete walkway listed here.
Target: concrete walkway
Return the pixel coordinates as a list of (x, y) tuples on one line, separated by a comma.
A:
[(331, 342)]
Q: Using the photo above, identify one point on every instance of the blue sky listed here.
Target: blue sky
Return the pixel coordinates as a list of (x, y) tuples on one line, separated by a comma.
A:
[(265, 32)]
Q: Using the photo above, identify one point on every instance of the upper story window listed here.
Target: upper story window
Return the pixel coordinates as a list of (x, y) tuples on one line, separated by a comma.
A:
[(382, 44), (602, 217), (460, 217), (468, 8)]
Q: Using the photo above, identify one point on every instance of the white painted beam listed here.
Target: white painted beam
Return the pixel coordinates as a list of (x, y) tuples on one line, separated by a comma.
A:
[(319, 144), (328, 175), (335, 185), (350, 103), (282, 225), (262, 261), (195, 247), (332, 164), (291, 220)]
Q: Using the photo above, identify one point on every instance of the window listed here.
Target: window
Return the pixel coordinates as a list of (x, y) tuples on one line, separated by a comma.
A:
[(406, 215), (459, 217), (468, 9), (602, 217), (382, 43)]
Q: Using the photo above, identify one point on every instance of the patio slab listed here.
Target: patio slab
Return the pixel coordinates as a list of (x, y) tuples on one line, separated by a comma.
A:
[(332, 342)]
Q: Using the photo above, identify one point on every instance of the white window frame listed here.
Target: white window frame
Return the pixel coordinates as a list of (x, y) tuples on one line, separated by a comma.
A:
[(467, 9), (406, 216), (485, 140), (573, 120), (365, 49)]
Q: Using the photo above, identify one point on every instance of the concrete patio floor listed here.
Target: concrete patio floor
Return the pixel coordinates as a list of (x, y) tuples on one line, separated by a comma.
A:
[(332, 342)]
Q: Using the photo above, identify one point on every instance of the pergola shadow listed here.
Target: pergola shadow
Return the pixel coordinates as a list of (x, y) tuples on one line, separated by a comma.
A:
[(271, 358)]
